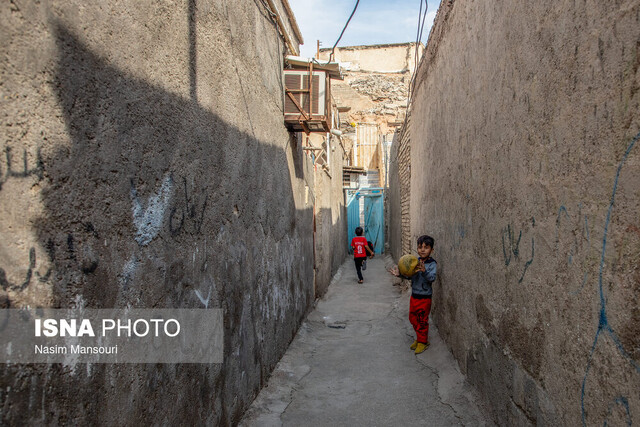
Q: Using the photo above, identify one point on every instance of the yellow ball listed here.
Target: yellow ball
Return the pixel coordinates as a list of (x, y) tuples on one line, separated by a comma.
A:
[(407, 265)]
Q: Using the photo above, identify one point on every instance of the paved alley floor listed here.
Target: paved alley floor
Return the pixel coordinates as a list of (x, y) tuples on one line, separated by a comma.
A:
[(350, 364)]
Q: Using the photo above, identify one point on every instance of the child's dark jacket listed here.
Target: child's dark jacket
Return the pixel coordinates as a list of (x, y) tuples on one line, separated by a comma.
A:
[(421, 281)]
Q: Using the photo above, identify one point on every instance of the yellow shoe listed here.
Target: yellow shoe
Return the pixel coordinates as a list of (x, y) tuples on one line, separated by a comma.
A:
[(414, 345), (421, 347)]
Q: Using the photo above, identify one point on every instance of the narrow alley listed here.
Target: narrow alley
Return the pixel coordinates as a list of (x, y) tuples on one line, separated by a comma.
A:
[(350, 364), (182, 183)]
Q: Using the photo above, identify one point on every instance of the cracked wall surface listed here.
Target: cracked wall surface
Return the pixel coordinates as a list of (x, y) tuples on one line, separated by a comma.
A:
[(144, 163), (525, 168)]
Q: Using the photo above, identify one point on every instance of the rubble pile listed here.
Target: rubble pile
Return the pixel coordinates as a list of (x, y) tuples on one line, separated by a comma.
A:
[(388, 92), (381, 87)]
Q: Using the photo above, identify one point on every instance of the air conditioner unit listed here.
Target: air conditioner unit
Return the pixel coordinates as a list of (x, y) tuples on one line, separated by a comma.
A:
[(314, 117)]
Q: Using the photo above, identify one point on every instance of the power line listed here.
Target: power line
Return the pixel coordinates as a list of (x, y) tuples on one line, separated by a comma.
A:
[(424, 18), (345, 27), (421, 20)]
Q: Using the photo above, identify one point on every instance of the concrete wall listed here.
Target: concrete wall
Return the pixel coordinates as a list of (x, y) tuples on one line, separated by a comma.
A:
[(525, 167), (145, 164), (331, 218), (384, 58)]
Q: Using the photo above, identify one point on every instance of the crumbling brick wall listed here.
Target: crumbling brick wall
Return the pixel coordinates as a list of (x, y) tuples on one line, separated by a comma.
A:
[(404, 172), (400, 239)]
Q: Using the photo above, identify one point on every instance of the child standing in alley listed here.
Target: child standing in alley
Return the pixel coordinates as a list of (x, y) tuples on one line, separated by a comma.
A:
[(360, 249), (421, 292)]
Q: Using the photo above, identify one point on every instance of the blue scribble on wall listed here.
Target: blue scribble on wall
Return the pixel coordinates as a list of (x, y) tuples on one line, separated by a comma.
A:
[(511, 248), (560, 210), (586, 227), (528, 263), (514, 245), (584, 281), (622, 401), (603, 323), (574, 249)]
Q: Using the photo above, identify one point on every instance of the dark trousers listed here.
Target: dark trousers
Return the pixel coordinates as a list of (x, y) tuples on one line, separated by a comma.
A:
[(359, 262)]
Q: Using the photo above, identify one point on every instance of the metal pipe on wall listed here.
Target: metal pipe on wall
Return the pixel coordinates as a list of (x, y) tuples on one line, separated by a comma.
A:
[(283, 30)]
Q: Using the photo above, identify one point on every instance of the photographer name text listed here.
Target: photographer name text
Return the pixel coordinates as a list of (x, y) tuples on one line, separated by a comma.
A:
[(75, 349)]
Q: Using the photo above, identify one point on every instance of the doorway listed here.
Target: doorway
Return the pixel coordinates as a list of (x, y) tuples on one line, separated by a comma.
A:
[(365, 208)]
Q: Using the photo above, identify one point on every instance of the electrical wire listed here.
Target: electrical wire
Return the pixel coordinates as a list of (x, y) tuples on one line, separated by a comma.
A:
[(343, 30), (268, 9), (421, 20), (415, 55), (424, 18)]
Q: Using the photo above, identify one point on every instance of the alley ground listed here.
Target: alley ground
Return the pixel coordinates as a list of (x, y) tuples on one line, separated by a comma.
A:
[(350, 364)]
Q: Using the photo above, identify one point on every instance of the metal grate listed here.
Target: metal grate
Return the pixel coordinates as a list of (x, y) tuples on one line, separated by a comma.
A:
[(301, 81)]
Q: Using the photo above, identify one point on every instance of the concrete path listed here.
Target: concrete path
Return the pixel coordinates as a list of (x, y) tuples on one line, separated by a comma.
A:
[(350, 364)]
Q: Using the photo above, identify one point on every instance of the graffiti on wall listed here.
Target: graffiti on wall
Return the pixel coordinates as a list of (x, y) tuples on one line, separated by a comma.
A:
[(204, 301), (511, 249), (148, 219), (86, 264), (573, 242), (187, 213), (604, 328), (24, 170), (6, 285), (456, 232)]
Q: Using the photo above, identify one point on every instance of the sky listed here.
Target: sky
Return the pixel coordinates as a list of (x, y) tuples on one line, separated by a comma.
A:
[(375, 22)]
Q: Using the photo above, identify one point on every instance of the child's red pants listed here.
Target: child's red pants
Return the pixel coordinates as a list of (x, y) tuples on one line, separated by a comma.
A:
[(419, 317)]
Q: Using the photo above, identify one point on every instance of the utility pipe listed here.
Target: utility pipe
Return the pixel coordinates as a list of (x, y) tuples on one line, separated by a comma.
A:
[(281, 26)]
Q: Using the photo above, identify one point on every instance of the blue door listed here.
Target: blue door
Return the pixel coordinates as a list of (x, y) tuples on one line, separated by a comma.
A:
[(368, 215), (374, 221), (353, 215)]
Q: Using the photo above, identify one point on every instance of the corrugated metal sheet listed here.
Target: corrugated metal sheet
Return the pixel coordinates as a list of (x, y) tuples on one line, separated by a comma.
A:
[(366, 146), (372, 179), (295, 79)]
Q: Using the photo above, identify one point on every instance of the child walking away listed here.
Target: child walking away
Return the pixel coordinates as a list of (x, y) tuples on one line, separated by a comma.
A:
[(360, 250), (364, 263), (421, 292)]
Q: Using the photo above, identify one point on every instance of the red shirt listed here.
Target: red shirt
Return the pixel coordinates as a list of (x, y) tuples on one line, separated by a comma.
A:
[(358, 244)]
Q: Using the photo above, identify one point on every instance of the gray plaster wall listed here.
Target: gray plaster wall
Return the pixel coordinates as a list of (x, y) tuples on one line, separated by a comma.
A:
[(144, 163), (525, 166), (330, 220)]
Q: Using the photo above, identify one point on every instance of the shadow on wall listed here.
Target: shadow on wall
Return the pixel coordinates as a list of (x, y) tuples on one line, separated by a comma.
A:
[(330, 249), (157, 202)]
